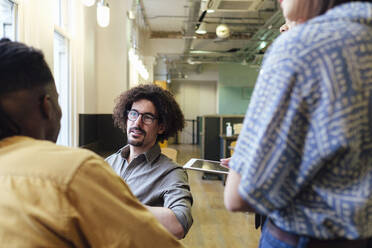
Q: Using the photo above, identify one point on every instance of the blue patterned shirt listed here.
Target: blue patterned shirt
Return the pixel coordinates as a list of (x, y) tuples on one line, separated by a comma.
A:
[(305, 151)]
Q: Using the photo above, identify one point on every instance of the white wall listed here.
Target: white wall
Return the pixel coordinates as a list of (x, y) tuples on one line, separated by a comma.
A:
[(36, 26), (111, 58), (88, 90), (195, 98), (78, 68)]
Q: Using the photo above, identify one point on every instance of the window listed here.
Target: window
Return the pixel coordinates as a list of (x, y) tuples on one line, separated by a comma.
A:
[(8, 24), (62, 68), (61, 14), (61, 77)]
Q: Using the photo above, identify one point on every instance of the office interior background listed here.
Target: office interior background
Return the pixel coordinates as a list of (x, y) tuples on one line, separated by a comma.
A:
[(206, 52)]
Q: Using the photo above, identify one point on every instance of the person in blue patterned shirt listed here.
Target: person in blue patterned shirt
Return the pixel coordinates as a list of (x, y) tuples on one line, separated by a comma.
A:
[(304, 156)]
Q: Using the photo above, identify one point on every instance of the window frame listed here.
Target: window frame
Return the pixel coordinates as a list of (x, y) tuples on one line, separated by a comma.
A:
[(14, 19), (62, 29)]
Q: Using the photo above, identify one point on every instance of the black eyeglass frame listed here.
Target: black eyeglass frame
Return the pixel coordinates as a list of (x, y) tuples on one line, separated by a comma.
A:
[(144, 116)]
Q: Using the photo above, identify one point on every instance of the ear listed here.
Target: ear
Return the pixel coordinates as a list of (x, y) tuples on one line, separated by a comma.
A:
[(161, 128), (45, 107)]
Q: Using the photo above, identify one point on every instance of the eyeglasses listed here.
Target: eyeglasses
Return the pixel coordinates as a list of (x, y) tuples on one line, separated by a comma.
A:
[(147, 118)]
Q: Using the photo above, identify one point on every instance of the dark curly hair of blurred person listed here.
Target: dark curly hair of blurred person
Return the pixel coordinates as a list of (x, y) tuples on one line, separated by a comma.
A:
[(168, 110), (21, 68)]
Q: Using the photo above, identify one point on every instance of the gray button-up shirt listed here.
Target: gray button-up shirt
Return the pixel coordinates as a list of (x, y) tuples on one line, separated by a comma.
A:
[(156, 181)]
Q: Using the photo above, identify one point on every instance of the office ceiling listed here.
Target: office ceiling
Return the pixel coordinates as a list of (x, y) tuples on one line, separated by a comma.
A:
[(252, 25)]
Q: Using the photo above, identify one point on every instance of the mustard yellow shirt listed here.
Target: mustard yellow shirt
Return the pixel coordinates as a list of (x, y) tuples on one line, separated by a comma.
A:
[(54, 196)]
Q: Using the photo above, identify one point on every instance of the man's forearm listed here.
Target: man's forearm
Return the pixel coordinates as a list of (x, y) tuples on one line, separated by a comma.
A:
[(232, 199), (168, 219)]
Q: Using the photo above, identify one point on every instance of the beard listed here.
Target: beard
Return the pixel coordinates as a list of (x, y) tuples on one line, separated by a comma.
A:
[(135, 142)]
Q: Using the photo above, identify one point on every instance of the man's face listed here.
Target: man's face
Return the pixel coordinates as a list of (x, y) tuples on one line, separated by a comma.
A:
[(143, 135)]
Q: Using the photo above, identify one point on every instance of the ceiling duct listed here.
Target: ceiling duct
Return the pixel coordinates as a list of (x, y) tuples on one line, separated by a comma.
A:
[(262, 24), (192, 19), (234, 5)]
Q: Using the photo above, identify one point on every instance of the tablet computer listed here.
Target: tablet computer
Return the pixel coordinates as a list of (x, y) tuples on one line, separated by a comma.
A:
[(206, 166)]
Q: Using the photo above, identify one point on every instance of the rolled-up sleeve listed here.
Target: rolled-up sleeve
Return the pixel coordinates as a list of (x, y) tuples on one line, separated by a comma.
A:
[(178, 198)]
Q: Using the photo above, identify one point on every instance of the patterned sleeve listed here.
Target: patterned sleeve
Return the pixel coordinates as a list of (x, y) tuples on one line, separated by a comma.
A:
[(269, 148)]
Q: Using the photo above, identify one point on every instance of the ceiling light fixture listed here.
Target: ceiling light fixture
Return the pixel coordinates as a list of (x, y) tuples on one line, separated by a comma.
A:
[(103, 11), (89, 3), (169, 78), (190, 61), (103, 14), (262, 45), (202, 29), (131, 15), (222, 31)]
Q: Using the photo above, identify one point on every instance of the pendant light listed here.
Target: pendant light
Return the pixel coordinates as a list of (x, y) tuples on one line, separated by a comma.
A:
[(202, 29), (89, 3), (103, 13)]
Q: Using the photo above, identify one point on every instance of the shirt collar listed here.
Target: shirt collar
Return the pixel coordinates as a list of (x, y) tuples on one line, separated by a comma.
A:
[(150, 155), (14, 139), (124, 152), (153, 153)]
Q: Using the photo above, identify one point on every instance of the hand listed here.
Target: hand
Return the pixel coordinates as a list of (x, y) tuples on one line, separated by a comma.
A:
[(287, 26), (284, 27), (225, 161)]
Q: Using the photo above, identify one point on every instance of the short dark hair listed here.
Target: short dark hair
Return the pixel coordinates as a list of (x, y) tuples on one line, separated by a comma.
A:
[(21, 67), (168, 110)]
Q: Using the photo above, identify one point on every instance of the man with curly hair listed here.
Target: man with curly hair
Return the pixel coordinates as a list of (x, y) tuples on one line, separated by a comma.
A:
[(149, 114)]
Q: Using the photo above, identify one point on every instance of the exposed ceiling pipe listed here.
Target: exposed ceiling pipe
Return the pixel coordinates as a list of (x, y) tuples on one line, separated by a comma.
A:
[(263, 34), (190, 28), (141, 12)]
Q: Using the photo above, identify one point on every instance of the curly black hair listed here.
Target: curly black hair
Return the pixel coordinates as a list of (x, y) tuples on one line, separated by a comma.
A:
[(169, 112)]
